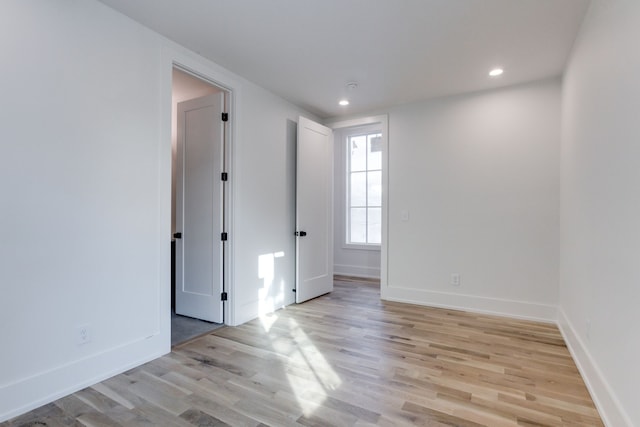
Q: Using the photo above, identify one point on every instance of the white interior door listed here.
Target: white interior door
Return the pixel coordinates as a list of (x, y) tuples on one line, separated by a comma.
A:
[(314, 211), (199, 210)]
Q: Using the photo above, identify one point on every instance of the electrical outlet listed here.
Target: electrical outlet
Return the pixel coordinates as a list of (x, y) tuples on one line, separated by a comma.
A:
[(455, 279), (83, 334)]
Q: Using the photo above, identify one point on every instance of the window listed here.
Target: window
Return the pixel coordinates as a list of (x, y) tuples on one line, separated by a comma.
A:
[(364, 189)]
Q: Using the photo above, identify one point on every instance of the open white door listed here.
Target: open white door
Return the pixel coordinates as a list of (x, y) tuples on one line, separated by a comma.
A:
[(199, 210), (314, 212)]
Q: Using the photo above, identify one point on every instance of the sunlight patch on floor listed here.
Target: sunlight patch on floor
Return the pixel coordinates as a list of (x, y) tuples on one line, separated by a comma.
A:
[(308, 372), (309, 359), (267, 320)]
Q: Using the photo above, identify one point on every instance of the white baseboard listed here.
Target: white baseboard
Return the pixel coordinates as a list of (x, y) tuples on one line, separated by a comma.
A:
[(32, 392), (609, 407), (494, 306), (356, 271)]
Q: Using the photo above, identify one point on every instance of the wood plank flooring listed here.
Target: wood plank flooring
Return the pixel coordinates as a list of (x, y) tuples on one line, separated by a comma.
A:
[(346, 359)]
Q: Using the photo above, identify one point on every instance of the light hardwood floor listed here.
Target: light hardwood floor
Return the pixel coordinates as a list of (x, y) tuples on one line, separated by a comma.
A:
[(346, 359)]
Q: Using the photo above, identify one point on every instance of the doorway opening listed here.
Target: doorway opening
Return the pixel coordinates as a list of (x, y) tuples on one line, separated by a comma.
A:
[(360, 198), (198, 213)]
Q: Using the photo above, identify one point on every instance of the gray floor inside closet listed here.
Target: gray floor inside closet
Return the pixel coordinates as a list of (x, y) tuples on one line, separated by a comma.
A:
[(185, 328)]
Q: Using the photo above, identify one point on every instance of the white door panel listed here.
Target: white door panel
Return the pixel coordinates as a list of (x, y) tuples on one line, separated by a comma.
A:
[(199, 208), (314, 212)]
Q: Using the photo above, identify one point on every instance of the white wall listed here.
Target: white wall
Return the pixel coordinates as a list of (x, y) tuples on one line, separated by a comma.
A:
[(600, 266), (85, 115), (83, 215), (479, 177), (347, 260), (264, 206)]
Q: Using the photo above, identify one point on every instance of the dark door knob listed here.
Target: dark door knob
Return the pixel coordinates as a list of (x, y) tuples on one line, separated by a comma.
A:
[(301, 233), (177, 235)]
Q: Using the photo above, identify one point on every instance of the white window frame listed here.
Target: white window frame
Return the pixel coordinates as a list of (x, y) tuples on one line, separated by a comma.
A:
[(382, 120), (346, 235)]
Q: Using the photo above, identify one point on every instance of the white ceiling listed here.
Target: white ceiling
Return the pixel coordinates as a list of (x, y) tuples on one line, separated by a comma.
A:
[(398, 51)]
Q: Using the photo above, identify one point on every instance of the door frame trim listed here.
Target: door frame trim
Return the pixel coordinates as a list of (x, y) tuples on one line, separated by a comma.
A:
[(383, 120), (191, 63)]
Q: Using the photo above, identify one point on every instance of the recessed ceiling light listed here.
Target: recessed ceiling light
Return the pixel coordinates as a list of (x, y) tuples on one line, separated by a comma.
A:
[(343, 102), (496, 72)]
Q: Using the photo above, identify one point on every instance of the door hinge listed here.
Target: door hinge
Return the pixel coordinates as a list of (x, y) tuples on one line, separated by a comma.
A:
[(224, 236), (223, 296), (224, 176), (225, 117)]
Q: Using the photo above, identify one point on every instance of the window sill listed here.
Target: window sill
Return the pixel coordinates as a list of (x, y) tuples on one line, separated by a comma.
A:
[(361, 247)]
